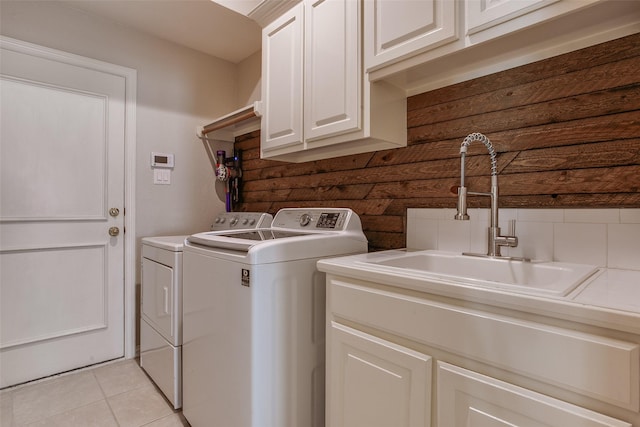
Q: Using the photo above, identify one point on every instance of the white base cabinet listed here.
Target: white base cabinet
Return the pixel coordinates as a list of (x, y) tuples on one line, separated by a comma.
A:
[(377, 383), (389, 349), (469, 399)]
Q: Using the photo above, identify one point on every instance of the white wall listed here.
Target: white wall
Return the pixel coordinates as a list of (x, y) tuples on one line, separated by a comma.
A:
[(178, 89), (249, 79)]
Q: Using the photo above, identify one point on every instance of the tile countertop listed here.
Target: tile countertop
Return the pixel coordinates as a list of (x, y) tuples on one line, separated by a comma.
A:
[(609, 299), (615, 289)]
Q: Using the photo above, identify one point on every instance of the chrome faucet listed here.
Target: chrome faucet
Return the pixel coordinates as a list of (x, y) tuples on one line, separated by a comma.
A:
[(495, 240)]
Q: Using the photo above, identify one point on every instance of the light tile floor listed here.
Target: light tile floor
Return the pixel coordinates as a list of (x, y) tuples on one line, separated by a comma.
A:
[(114, 395)]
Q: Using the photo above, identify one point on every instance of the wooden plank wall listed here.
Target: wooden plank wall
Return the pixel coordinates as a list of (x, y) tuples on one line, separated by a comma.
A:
[(566, 130)]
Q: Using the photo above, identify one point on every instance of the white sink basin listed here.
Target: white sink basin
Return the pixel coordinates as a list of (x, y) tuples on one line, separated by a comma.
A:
[(550, 278)]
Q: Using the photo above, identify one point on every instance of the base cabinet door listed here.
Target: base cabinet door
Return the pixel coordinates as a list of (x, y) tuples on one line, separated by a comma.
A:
[(376, 383), (468, 399)]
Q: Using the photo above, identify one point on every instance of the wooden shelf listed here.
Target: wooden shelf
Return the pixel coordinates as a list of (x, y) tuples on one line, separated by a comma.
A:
[(239, 122)]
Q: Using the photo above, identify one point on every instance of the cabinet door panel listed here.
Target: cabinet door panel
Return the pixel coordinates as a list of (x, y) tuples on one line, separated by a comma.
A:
[(375, 383), (282, 82), (482, 14), (398, 28), (332, 68), (466, 398)]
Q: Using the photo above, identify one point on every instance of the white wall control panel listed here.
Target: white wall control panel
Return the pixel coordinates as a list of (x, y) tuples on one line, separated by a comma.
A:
[(162, 176), (161, 160)]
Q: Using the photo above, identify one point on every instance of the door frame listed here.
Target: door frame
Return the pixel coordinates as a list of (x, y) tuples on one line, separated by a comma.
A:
[(130, 77)]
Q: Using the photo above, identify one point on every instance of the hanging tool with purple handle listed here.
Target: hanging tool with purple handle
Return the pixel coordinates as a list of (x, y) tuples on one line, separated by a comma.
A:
[(222, 174)]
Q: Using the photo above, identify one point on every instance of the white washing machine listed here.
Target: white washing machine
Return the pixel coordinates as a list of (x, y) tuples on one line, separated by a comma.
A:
[(161, 311), (254, 319)]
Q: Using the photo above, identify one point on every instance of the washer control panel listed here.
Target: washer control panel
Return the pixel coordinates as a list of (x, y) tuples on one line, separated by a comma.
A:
[(314, 219), (241, 220)]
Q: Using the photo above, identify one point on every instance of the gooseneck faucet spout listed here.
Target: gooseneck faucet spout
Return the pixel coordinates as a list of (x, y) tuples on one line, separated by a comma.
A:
[(495, 240)]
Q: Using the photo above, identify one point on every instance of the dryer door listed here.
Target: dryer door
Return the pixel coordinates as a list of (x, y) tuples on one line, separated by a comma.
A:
[(157, 298)]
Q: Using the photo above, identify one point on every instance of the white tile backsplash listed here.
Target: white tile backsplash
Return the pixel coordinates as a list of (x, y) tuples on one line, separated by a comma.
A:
[(424, 234), (630, 216), (478, 223), (624, 246), (535, 240), (426, 213), (603, 237), (506, 215), (592, 216), (454, 235), (541, 215), (581, 243)]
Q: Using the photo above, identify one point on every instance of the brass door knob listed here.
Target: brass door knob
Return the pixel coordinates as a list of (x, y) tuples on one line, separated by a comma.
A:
[(114, 212), (114, 231)]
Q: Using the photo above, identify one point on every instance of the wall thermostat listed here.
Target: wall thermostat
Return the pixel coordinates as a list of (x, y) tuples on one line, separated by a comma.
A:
[(161, 160)]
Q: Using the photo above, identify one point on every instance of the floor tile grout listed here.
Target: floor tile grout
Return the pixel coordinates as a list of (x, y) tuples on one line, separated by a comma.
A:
[(106, 400), (120, 378)]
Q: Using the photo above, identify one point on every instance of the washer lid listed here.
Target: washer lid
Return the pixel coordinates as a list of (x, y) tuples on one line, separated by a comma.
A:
[(241, 240)]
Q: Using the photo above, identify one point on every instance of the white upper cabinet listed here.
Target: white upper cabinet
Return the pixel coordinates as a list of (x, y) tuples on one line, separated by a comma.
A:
[(332, 70), (397, 28), (487, 19), (318, 102), (281, 124), (428, 44), (482, 14)]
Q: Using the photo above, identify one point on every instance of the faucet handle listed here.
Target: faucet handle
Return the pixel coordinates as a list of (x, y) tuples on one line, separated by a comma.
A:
[(512, 239)]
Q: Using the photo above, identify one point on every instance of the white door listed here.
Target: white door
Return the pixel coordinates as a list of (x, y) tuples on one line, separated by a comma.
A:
[(61, 190)]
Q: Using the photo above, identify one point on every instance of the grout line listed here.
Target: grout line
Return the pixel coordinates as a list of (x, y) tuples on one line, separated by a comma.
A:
[(106, 400)]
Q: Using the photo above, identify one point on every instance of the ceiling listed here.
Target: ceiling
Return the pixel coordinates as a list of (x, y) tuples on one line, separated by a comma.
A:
[(198, 24)]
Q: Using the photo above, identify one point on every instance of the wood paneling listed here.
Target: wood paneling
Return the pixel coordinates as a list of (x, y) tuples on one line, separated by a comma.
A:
[(566, 130)]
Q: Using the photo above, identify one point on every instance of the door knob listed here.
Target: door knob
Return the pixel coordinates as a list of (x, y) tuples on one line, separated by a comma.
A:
[(114, 231), (114, 212)]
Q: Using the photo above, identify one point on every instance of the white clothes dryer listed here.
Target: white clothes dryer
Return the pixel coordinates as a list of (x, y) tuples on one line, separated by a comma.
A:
[(161, 302), (254, 319)]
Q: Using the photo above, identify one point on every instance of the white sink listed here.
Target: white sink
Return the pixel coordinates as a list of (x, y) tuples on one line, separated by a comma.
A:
[(549, 278)]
